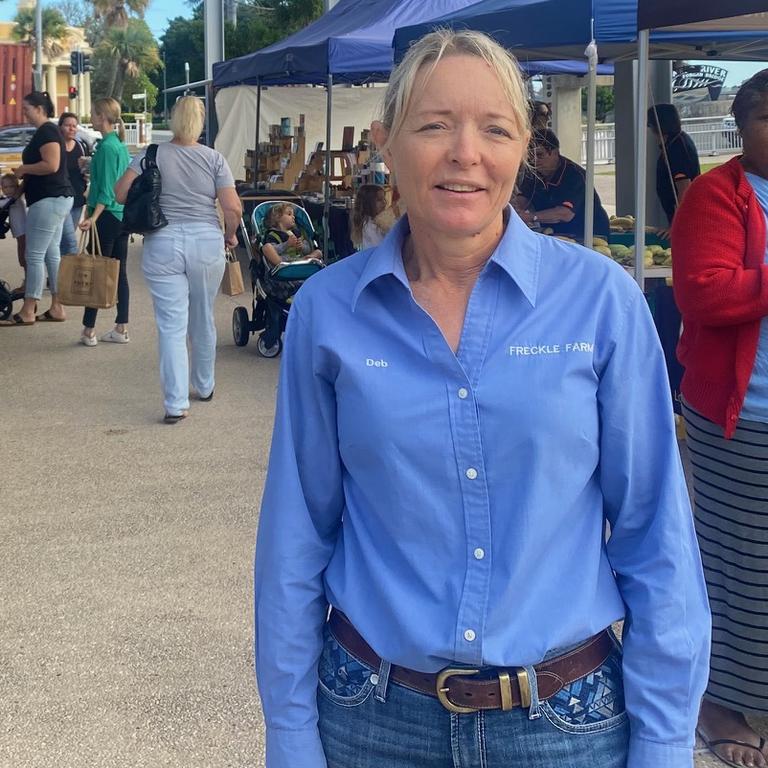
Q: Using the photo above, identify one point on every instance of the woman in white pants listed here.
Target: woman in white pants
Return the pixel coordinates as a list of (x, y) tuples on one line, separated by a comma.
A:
[(183, 263)]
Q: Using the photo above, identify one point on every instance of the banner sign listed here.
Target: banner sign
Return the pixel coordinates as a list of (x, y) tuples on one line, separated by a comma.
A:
[(695, 77)]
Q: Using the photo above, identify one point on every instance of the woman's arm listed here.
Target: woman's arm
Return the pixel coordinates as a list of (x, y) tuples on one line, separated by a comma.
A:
[(123, 184), (89, 221), (51, 154), (232, 209), (652, 546), (709, 242), (299, 525)]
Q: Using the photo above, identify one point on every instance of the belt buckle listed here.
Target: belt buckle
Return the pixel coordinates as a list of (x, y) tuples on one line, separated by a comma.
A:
[(442, 689)]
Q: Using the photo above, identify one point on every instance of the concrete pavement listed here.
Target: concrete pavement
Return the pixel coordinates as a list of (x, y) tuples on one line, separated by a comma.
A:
[(126, 544)]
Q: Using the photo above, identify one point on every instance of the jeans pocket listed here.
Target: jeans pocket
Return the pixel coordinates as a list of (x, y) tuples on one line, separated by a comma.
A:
[(592, 704), (341, 677)]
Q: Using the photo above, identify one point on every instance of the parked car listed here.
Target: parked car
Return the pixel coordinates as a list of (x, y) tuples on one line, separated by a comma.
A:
[(13, 139)]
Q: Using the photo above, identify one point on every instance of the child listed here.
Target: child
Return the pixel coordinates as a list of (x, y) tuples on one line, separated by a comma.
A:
[(16, 211), (283, 241), (370, 201)]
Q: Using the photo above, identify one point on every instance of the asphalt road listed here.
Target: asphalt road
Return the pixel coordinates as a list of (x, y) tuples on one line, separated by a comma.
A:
[(126, 548)]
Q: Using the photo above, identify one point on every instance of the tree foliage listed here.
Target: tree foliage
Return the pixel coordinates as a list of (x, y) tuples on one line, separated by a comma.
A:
[(259, 23), (54, 29), (604, 101), (133, 50)]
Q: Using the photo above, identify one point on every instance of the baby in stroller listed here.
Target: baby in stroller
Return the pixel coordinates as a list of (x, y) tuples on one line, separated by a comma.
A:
[(283, 257), (283, 241)]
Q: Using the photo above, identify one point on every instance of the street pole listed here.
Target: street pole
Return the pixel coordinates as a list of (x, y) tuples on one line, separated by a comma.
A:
[(186, 71), (39, 45), (165, 93)]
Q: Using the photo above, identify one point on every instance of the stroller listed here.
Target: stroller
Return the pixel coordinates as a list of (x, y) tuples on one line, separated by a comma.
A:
[(270, 306), (7, 296)]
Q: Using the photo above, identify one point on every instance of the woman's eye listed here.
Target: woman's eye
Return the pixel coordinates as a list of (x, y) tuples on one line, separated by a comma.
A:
[(432, 127), (497, 131)]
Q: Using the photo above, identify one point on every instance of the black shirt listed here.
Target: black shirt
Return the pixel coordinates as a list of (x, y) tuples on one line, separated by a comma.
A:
[(76, 177), (567, 187), (683, 164), (52, 184)]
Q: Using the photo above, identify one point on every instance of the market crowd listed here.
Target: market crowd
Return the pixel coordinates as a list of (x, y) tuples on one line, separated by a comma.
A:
[(474, 471)]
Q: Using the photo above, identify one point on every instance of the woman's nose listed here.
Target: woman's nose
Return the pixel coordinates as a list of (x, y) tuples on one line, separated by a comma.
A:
[(466, 146)]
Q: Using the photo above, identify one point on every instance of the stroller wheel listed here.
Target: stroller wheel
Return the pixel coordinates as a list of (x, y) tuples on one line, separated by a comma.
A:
[(241, 326), (272, 351)]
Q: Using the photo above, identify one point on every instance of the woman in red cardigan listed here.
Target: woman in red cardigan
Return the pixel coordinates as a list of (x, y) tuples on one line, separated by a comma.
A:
[(721, 287)]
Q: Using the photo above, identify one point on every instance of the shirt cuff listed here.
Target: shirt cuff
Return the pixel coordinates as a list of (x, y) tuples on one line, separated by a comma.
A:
[(653, 754), (295, 749)]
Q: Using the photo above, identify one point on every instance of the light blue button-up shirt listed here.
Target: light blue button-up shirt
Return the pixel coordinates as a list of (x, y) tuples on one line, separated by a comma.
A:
[(453, 506)]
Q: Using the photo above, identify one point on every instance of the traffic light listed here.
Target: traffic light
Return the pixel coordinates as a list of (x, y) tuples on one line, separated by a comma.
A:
[(85, 62), (75, 62), (72, 92)]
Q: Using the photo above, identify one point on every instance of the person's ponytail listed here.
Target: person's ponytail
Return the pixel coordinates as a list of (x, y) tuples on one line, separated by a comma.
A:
[(42, 100)]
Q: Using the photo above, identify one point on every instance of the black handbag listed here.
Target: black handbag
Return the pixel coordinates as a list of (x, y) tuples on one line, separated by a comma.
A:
[(142, 213)]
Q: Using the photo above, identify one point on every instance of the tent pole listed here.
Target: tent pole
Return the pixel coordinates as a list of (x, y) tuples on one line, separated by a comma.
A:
[(327, 185), (256, 157), (641, 110), (589, 201)]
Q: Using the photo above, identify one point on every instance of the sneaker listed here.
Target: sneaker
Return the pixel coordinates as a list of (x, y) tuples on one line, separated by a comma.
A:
[(89, 341), (116, 337)]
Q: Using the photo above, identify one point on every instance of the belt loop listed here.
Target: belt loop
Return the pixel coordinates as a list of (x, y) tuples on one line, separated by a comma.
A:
[(380, 694), (534, 711)]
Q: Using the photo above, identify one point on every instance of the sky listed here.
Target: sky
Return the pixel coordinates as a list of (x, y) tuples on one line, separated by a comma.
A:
[(160, 11)]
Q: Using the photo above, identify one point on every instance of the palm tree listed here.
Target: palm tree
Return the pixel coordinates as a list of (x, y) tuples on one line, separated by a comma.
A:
[(54, 30), (134, 49), (116, 12)]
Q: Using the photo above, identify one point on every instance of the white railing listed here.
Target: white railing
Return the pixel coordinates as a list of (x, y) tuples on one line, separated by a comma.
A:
[(132, 134), (710, 135)]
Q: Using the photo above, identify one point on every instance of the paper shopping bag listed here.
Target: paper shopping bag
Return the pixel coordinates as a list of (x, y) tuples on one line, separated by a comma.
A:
[(87, 280), (232, 282)]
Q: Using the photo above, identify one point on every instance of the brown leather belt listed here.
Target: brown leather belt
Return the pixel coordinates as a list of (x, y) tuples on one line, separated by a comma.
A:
[(460, 691)]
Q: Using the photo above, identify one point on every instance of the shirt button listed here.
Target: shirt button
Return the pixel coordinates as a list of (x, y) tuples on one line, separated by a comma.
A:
[(463, 393), (471, 473), (469, 635), (479, 553)]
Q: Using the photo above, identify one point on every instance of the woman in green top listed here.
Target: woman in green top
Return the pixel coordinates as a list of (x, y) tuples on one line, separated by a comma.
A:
[(108, 164)]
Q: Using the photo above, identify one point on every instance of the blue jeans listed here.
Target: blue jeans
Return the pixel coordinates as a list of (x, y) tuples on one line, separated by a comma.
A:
[(183, 265), (45, 220), (70, 235), (366, 721)]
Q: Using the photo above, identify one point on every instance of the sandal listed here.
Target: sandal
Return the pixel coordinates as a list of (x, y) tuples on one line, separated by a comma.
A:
[(719, 742), (17, 319), (47, 317)]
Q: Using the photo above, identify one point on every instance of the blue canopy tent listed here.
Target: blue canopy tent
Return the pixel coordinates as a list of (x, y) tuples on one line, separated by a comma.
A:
[(608, 29), (352, 43)]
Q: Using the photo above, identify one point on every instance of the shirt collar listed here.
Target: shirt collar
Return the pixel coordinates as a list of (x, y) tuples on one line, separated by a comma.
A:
[(518, 254)]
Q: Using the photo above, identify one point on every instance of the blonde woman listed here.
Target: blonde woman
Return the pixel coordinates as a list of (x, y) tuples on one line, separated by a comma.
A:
[(457, 423), (183, 263), (105, 213)]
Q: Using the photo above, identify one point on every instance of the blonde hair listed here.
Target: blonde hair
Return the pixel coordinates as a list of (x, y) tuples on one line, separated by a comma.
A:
[(109, 109), (437, 45), (274, 214), (188, 118)]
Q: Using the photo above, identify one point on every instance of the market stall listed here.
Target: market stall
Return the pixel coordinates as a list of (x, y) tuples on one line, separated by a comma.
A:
[(607, 30)]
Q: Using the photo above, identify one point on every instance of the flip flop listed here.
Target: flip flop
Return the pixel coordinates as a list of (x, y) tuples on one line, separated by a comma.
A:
[(47, 317), (718, 742), (16, 320)]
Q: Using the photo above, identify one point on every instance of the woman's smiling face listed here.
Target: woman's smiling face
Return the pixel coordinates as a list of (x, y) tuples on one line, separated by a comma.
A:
[(457, 155)]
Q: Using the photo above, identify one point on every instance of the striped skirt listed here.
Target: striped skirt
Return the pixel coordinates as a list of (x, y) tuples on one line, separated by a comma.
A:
[(730, 485)]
